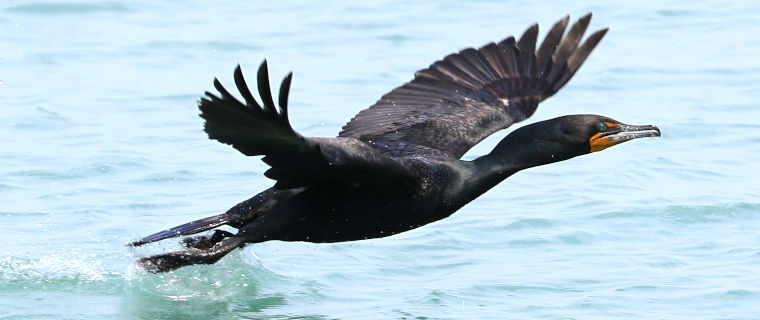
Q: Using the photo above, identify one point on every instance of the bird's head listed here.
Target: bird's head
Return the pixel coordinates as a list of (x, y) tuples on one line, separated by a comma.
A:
[(586, 133), (569, 136)]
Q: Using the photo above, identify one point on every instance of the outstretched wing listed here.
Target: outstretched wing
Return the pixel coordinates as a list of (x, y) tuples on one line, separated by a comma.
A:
[(295, 161), (467, 96)]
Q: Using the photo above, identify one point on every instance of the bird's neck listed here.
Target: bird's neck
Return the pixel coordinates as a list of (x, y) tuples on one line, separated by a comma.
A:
[(513, 154)]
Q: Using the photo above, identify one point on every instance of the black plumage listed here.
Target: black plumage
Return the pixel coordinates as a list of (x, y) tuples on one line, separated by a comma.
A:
[(395, 166)]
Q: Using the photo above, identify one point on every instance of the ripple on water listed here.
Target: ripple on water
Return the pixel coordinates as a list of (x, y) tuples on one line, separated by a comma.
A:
[(236, 283), (68, 8), (709, 213), (740, 294), (201, 46), (688, 214), (531, 223), (57, 271)]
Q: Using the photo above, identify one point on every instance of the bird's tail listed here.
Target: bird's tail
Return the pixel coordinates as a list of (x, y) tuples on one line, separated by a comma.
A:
[(192, 227)]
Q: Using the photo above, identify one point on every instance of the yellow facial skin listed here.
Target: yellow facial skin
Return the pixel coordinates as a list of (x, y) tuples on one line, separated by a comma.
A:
[(599, 143), (617, 133)]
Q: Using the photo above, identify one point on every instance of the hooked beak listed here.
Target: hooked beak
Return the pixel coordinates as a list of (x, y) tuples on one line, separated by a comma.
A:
[(619, 133)]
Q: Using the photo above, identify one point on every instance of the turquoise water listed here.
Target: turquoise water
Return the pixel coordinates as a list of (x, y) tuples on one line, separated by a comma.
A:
[(100, 144)]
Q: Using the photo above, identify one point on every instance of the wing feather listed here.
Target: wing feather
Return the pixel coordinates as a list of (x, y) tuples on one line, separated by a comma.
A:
[(463, 98), (549, 46), (295, 161), (527, 47)]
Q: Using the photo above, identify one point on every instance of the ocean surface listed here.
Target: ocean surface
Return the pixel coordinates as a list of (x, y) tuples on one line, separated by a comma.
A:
[(100, 144)]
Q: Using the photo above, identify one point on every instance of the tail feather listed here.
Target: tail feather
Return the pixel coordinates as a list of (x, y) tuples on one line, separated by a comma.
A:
[(192, 227)]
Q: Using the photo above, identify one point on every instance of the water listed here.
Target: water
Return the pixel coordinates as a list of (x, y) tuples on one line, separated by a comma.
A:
[(100, 144)]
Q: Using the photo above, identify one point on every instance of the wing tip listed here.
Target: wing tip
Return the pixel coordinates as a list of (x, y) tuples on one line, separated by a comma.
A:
[(264, 67), (531, 28), (586, 18)]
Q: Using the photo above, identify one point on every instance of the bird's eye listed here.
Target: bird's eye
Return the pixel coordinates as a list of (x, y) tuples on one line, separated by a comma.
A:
[(603, 127)]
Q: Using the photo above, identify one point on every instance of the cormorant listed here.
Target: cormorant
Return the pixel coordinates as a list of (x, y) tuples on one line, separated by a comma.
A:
[(396, 165)]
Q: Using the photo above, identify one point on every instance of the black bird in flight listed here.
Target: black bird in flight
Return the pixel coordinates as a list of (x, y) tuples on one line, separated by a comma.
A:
[(396, 165)]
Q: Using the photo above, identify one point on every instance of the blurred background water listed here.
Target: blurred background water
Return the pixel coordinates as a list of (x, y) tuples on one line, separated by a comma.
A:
[(100, 144)]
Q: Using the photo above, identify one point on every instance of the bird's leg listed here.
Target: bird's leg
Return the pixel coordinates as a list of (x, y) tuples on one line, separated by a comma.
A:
[(205, 242), (173, 260)]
